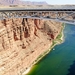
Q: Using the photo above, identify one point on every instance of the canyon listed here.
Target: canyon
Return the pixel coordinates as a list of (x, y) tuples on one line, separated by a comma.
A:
[(22, 41)]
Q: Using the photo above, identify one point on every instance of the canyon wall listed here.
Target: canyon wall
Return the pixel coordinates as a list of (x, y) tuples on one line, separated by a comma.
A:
[(22, 41)]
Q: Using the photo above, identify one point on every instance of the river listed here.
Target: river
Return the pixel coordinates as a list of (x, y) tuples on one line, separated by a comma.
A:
[(61, 60)]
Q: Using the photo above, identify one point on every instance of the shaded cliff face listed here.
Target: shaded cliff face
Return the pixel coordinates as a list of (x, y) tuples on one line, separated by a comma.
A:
[(22, 41)]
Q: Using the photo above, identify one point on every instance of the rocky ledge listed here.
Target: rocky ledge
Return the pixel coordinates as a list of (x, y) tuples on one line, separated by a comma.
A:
[(22, 41)]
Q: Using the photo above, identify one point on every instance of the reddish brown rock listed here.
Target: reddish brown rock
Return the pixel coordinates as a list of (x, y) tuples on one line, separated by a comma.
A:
[(22, 41)]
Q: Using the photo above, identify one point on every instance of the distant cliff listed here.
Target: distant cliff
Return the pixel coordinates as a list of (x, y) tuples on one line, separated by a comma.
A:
[(20, 2), (22, 41)]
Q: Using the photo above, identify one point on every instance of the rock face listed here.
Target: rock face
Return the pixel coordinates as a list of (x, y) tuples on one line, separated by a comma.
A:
[(9, 2), (22, 41), (20, 2)]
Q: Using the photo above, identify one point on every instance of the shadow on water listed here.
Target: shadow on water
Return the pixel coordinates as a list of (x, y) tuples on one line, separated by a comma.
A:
[(72, 69)]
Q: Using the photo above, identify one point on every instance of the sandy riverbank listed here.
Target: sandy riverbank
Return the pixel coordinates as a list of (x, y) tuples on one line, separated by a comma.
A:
[(24, 73)]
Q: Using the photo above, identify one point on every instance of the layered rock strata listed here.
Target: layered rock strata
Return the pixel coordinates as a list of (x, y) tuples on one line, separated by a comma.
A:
[(22, 41)]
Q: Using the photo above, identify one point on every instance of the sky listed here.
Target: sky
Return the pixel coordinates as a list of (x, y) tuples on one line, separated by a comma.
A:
[(58, 2)]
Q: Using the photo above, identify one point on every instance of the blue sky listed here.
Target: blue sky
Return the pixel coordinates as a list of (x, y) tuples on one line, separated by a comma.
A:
[(55, 1)]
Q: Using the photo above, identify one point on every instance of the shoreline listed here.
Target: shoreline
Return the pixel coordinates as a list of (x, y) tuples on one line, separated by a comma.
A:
[(58, 41)]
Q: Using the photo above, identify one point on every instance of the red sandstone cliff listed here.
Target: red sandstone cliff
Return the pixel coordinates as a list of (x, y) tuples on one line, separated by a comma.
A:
[(22, 41)]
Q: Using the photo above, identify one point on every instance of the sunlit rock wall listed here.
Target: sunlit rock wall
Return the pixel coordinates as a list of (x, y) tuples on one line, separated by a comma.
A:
[(22, 41)]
